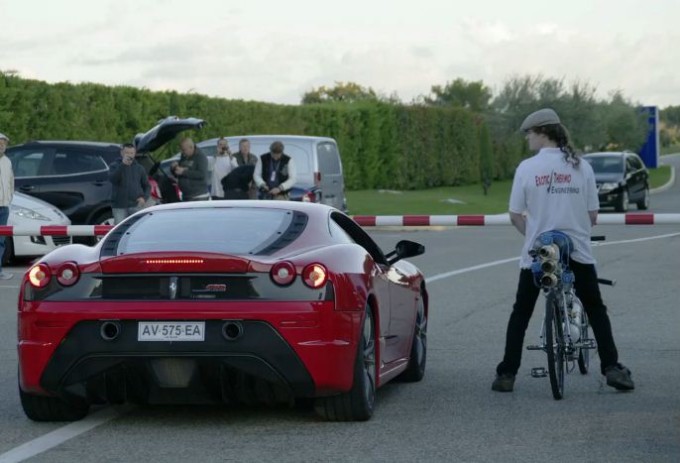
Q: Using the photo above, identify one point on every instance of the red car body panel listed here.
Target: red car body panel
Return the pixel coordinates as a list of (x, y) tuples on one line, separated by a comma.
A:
[(323, 334)]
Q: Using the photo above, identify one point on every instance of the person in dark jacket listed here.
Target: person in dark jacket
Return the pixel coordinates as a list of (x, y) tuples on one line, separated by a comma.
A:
[(130, 184), (275, 174), (192, 172)]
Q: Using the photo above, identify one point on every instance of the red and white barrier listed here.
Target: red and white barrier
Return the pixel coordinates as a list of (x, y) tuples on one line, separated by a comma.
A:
[(368, 221), (502, 219), (55, 230)]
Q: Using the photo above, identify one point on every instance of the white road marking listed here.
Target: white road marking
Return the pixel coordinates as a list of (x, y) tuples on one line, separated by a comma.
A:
[(441, 276), (65, 433), (61, 435)]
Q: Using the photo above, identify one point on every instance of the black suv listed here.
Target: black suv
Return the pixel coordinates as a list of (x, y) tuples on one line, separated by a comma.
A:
[(621, 179), (74, 175)]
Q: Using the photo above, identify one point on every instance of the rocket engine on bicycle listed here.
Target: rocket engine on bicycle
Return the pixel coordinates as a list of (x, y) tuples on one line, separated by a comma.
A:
[(551, 271)]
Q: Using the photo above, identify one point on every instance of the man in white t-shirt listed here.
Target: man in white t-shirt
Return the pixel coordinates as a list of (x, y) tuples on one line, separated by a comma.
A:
[(553, 190)]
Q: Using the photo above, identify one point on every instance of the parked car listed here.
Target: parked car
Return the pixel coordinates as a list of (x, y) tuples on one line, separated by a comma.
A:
[(170, 306), (74, 175), (621, 179), (317, 159), (27, 211)]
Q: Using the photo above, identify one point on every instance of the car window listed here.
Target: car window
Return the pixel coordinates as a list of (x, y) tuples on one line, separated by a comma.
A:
[(329, 159), (206, 230), (636, 162), (27, 162), (606, 164), (630, 167), (359, 236), (66, 162), (338, 234)]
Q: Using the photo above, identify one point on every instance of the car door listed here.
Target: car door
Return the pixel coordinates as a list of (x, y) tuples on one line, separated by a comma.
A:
[(77, 182), (389, 286), (331, 181)]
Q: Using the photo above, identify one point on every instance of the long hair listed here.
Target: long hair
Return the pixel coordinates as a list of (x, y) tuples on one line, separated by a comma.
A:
[(559, 134)]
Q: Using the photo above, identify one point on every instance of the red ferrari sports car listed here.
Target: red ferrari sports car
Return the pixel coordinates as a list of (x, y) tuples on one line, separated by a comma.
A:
[(222, 301)]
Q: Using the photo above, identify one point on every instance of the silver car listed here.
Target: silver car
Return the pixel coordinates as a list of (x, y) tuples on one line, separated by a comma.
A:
[(27, 211)]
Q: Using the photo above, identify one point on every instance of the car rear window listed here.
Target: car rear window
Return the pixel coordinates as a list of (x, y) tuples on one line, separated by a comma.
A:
[(606, 164), (227, 230)]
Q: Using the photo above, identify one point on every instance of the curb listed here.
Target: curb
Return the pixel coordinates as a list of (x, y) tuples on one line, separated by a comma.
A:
[(667, 185)]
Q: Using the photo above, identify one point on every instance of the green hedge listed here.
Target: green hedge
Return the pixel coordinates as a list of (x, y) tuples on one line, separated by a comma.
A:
[(382, 145)]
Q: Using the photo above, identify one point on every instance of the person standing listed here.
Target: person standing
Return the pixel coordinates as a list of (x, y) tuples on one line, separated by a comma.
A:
[(245, 158), (192, 172), (130, 184), (6, 195), (554, 190), (275, 174), (224, 164)]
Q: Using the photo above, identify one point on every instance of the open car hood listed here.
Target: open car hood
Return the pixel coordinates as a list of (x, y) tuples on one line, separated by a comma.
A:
[(165, 131)]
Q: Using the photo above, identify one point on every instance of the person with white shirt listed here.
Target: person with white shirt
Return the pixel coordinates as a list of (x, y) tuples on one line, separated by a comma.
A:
[(553, 190), (6, 194), (224, 164)]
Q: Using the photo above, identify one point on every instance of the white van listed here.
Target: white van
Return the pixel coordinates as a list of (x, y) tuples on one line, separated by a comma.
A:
[(317, 160)]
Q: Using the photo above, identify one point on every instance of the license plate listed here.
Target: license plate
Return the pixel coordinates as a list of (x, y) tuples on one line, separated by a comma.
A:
[(171, 331)]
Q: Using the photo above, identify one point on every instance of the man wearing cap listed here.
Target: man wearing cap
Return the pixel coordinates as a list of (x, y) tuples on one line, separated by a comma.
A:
[(553, 190), (6, 194)]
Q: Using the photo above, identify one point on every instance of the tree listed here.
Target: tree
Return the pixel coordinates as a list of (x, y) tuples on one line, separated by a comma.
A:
[(348, 92), (470, 95)]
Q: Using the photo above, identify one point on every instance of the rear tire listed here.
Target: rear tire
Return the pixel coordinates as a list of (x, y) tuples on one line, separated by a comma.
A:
[(416, 365), (554, 340), (44, 408), (358, 403)]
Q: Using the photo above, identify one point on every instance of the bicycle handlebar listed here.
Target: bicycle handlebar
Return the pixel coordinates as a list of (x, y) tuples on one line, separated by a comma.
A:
[(603, 281)]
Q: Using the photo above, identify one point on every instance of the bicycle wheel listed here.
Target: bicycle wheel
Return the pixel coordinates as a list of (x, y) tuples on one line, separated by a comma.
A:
[(554, 341), (584, 353)]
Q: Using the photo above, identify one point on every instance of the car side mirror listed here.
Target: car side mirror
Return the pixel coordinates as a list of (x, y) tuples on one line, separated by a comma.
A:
[(404, 249)]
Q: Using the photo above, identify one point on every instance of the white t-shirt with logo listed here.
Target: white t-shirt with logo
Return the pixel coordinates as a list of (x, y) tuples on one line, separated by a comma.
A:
[(555, 195)]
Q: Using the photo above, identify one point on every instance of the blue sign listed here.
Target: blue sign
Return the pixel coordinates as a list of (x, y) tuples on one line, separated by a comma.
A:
[(650, 150)]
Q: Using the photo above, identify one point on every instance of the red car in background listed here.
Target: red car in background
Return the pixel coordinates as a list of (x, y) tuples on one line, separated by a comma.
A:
[(238, 301)]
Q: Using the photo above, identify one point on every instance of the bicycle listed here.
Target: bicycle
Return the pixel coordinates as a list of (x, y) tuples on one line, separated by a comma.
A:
[(564, 336)]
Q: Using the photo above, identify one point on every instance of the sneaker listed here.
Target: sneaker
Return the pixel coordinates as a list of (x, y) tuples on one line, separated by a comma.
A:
[(503, 383), (5, 275), (619, 377)]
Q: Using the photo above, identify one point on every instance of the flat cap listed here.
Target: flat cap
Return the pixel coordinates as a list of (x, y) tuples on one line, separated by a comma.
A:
[(545, 116)]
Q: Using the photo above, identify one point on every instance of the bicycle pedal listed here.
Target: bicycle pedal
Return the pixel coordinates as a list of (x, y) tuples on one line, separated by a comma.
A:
[(535, 347), (538, 372)]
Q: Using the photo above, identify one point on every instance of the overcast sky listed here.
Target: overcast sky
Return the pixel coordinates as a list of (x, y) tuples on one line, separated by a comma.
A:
[(274, 51)]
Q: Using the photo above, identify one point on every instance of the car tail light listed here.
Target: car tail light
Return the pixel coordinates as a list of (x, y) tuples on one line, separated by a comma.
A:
[(309, 197), (68, 274), (39, 275), (315, 275), (155, 190), (283, 273)]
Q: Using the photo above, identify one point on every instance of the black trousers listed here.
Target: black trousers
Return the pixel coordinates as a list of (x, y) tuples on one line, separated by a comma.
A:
[(587, 290)]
